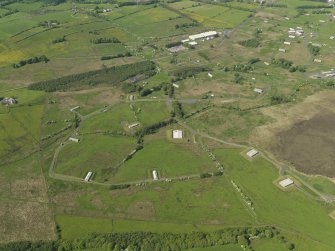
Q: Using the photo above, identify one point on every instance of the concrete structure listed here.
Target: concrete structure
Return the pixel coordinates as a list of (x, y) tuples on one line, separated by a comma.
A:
[(286, 182), (177, 48), (133, 125), (8, 101), (193, 43), (155, 175), (185, 41), (258, 90), (252, 153), (88, 176), (177, 134), (208, 34), (74, 108), (74, 139)]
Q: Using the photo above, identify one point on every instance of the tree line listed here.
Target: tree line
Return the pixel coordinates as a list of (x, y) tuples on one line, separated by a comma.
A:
[(113, 75), (148, 241), (120, 55), (32, 60), (105, 40)]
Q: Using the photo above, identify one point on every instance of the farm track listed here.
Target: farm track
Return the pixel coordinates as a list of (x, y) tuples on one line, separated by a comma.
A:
[(281, 167)]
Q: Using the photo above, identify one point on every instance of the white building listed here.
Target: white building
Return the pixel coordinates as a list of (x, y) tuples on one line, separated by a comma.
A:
[(208, 34), (258, 90), (88, 176), (74, 108), (133, 125), (155, 175), (210, 75), (8, 101), (177, 134), (74, 139), (317, 60), (282, 50), (175, 85), (286, 182), (252, 153), (287, 43), (193, 43)]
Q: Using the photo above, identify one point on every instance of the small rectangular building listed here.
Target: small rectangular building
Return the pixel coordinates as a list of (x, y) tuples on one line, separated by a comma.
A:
[(208, 34), (133, 125), (287, 43), (177, 134), (88, 176), (282, 50), (210, 75), (258, 90), (175, 85), (193, 43), (252, 153), (155, 175), (74, 139), (74, 108), (286, 182)]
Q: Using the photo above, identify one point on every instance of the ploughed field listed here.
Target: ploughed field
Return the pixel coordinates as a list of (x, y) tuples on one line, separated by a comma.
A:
[(309, 145)]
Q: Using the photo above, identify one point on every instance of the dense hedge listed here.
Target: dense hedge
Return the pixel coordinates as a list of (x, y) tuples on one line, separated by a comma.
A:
[(147, 241), (113, 75)]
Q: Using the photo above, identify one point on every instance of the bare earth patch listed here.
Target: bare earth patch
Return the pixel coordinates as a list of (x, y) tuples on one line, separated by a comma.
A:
[(303, 134)]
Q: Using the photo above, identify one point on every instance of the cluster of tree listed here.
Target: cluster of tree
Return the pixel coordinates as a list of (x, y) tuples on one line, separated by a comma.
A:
[(274, 5), (168, 89), (105, 40), (54, 2), (121, 186), (279, 99), (173, 44), (208, 175), (282, 62), (314, 50), (240, 67), (33, 60), (288, 64), (185, 72), (121, 4), (253, 43), (177, 110), (113, 75), (154, 127), (173, 1), (59, 40), (321, 12), (238, 79), (314, 6), (10, 12), (120, 55), (186, 25), (146, 91), (147, 241)]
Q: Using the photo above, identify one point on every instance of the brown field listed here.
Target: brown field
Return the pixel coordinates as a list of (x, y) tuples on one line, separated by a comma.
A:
[(309, 145), (302, 135)]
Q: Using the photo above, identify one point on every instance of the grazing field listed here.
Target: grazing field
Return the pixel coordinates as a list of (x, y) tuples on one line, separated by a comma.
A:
[(98, 153), (229, 93)]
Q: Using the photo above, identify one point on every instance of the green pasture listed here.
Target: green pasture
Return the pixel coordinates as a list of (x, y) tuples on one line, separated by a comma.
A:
[(98, 153), (114, 119), (291, 210), (169, 158), (150, 113)]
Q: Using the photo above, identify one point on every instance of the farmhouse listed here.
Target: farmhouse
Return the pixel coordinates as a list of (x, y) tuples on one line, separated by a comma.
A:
[(74, 139), (133, 125), (286, 182), (177, 134), (88, 176), (252, 153), (203, 35), (155, 175), (8, 101), (258, 90), (74, 108)]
